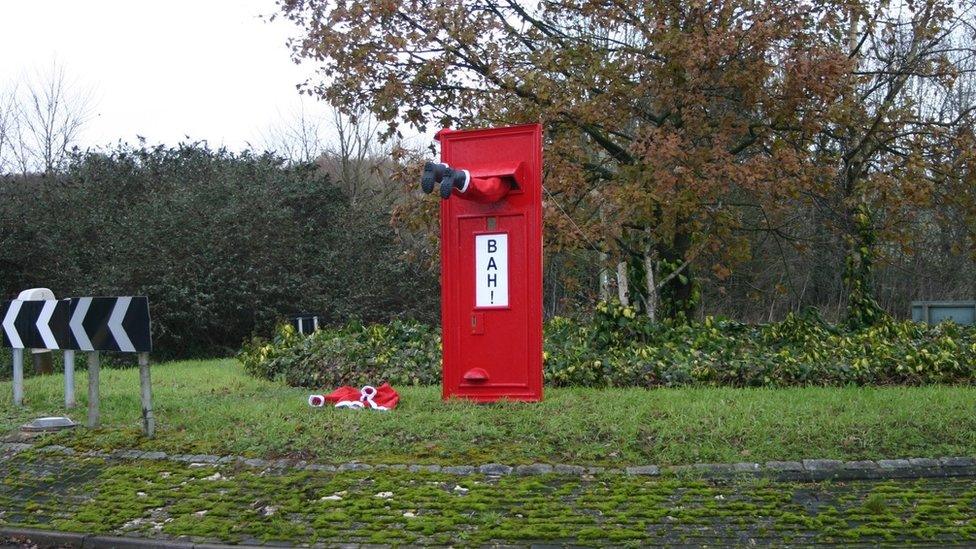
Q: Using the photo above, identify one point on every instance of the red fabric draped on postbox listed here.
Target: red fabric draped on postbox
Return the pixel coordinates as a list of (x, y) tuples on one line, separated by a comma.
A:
[(383, 398)]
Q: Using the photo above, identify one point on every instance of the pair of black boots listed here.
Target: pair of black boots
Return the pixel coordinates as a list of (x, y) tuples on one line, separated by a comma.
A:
[(448, 179)]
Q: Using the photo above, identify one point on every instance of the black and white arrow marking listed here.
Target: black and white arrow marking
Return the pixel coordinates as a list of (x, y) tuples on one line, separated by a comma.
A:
[(10, 334), (44, 325), (79, 310)]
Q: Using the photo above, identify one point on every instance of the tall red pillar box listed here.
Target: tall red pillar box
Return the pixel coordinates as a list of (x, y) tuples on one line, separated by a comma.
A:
[(491, 262)]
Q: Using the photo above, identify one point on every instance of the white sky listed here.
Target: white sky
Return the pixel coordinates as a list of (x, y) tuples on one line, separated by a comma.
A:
[(162, 69)]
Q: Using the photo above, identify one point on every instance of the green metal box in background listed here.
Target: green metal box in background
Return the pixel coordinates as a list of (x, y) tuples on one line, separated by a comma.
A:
[(934, 312)]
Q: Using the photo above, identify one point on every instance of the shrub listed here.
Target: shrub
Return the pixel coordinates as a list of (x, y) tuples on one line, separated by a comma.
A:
[(617, 347), (224, 244), (401, 352)]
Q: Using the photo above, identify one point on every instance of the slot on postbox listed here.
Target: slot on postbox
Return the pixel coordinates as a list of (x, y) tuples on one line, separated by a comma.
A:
[(490, 182)]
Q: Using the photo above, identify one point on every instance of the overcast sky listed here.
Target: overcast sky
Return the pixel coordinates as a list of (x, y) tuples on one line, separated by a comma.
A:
[(162, 69)]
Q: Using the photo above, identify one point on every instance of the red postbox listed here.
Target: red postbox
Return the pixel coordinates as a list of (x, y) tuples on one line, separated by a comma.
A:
[(491, 261)]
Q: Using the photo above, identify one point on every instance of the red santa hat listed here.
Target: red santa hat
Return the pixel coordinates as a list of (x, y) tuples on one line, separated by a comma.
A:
[(383, 398)]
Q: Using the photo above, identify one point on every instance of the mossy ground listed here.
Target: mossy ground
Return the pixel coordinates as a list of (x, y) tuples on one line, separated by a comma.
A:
[(237, 504)]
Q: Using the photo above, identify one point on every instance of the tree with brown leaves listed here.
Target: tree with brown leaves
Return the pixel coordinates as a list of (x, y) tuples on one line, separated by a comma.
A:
[(897, 141), (672, 127)]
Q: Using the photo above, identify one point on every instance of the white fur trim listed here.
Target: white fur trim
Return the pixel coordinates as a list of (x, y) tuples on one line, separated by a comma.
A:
[(316, 401), (467, 180), (349, 404), (366, 395)]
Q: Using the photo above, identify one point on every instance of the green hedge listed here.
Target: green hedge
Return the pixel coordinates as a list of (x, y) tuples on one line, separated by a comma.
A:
[(617, 347), (402, 352), (223, 244)]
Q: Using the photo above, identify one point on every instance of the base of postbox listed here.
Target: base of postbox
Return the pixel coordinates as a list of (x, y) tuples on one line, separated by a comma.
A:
[(491, 399)]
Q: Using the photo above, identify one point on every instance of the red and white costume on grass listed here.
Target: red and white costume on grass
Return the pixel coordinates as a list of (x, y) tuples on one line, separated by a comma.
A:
[(383, 398)]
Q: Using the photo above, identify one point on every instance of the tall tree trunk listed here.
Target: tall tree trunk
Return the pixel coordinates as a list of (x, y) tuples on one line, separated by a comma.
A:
[(604, 256), (604, 277), (678, 297), (623, 288), (650, 300), (862, 309)]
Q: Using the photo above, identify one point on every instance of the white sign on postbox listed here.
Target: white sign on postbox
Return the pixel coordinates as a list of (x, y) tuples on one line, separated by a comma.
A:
[(491, 270)]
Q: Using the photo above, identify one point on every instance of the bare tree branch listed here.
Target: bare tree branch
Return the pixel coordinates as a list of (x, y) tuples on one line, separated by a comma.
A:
[(298, 136), (51, 113)]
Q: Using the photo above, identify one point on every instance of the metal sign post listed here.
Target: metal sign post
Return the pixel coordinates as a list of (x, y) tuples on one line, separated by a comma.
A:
[(69, 379), (18, 381), (145, 394), (94, 364)]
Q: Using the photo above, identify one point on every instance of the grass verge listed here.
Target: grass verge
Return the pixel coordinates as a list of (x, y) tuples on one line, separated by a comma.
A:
[(212, 407)]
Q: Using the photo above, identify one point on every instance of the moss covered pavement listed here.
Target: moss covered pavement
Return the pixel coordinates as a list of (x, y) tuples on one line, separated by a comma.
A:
[(236, 504)]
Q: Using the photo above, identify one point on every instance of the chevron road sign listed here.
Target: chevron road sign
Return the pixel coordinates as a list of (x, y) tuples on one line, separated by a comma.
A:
[(110, 324), (82, 324), (89, 324)]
